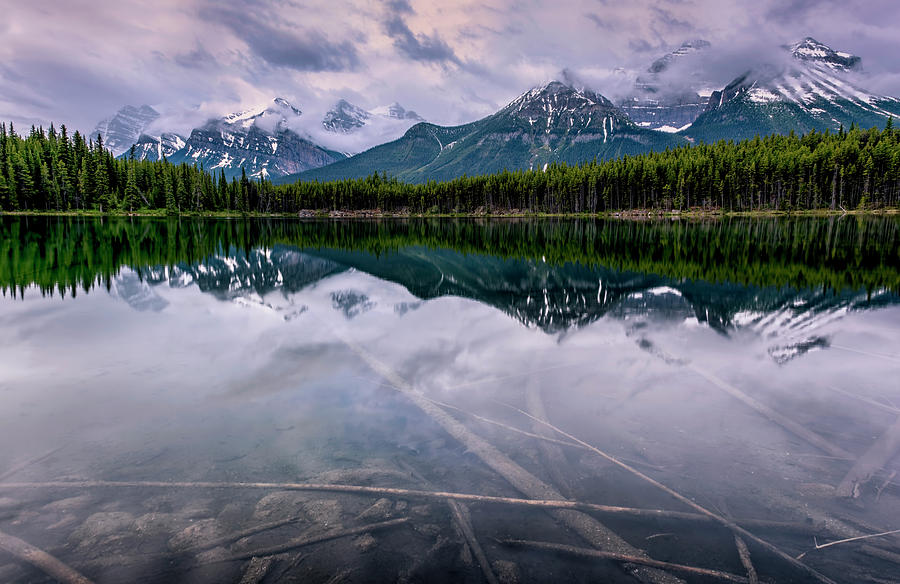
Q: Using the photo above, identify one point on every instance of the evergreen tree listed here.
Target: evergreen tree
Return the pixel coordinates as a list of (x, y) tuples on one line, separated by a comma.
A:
[(131, 190)]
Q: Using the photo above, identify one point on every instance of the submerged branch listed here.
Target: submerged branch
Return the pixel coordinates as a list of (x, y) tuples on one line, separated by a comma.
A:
[(699, 508), (848, 540), (744, 554), (40, 560), (590, 553), (413, 494), (311, 539)]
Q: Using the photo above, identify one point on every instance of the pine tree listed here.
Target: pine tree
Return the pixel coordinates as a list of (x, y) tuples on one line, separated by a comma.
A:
[(131, 190), (171, 205)]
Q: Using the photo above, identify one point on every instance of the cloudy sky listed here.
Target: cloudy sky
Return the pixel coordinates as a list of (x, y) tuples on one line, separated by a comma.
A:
[(77, 61)]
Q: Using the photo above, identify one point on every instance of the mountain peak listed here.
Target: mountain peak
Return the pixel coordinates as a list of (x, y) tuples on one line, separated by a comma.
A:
[(121, 130), (556, 89), (397, 111), (278, 110), (809, 49), (344, 117), (686, 48)]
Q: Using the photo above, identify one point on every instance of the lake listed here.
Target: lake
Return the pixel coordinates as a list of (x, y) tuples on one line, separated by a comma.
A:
[(210, 400)]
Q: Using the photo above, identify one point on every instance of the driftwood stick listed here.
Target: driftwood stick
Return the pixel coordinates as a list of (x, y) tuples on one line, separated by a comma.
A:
[(413, 494), (257, 570), (590, 553), (849, 539), (699, 508), (744, 554), (875, 458), (774, 416), (504, 426), (40, 560), (461, 518), (552, 453), (233, 537), (311, 539)]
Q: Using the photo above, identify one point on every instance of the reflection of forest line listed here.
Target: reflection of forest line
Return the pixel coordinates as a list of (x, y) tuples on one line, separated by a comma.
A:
[(65, 253)]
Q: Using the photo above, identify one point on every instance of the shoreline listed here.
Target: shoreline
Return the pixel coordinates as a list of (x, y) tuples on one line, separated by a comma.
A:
[(637, 214)]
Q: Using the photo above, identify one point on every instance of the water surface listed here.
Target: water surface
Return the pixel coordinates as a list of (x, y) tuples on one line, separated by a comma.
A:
[(227, 351)]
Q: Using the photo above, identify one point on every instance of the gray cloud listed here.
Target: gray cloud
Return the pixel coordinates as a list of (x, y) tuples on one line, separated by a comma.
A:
[(601, 22), (796, 9), (450, 61), (295, 48), (419, 47), (198, 58), (667, 19)]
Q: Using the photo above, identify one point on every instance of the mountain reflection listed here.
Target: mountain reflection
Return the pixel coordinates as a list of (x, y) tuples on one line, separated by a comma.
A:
[(549, 274)]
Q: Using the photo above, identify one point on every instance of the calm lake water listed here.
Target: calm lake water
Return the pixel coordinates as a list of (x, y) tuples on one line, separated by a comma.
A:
[(737, 372)]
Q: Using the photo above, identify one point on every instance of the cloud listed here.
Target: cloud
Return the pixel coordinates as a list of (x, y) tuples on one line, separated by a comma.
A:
[(452, 62), (419, 47), (295, 47), (601, 22), (199, 58), (797, 9)]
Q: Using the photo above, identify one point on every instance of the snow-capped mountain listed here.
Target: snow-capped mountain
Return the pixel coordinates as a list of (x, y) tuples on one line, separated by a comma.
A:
[(555, 122), (670, 95), (396, 111), (818, 88), (262, 141), (809, 49), (156, 147), (346, 118), (125, 127)]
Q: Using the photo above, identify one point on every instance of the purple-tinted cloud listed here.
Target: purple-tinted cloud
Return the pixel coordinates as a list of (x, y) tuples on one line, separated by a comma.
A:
[(78, 61)]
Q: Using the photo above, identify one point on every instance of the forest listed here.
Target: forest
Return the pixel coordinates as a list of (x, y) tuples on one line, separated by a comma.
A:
[(64, 255), (51, 171)]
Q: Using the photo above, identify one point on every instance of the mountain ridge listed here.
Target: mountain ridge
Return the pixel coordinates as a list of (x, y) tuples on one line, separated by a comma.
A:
[(552, 123)]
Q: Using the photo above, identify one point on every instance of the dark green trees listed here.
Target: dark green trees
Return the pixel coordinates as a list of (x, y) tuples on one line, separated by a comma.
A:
[(50, 171)]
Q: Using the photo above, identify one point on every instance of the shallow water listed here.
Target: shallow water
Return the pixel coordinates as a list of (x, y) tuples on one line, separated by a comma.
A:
[(224, 351)]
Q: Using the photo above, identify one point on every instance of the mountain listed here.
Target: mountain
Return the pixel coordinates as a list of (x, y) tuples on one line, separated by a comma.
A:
[(671, 94), (397, 112), (346, 118), (156, 147), (260, 140), (125, 127), (551, 298), (553, 123), (816, 89)]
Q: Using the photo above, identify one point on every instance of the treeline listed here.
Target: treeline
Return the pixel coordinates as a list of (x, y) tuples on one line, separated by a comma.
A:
[(51, 171), (67, 254)]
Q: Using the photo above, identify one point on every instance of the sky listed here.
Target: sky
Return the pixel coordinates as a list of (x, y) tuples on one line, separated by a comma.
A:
[(79, 61)]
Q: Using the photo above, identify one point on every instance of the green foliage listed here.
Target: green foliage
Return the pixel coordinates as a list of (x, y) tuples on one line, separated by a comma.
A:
[(65, 254), (851, 169)]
